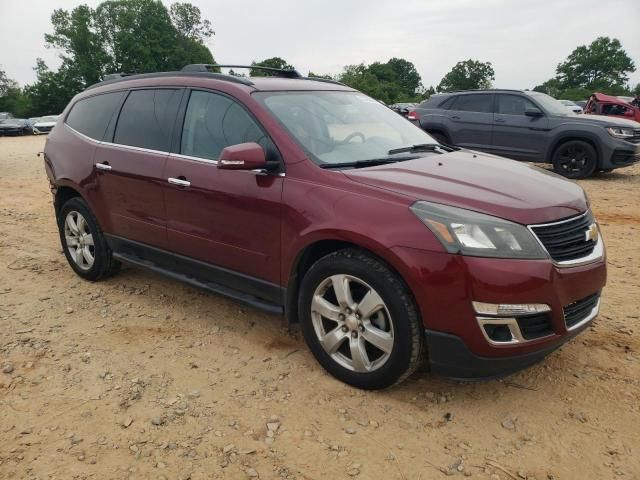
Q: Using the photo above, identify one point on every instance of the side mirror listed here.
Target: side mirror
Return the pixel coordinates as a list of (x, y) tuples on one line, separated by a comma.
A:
[(243, 156), (533, 112)]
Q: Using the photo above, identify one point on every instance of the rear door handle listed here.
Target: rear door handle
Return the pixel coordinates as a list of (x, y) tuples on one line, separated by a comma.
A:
[(181, 182), (455, 117), (500, 120), (103, 166)]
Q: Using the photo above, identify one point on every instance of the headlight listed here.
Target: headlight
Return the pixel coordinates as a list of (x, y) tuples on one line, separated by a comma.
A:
[(471, 233), (620, 132)]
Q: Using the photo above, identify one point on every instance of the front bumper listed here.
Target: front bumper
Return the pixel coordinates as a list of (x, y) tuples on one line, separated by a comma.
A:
[(445, 286), (623, 154)]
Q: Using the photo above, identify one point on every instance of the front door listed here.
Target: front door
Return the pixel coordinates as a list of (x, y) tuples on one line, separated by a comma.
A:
[(516, 135), (470, 120), (225, 218), (131, 162)]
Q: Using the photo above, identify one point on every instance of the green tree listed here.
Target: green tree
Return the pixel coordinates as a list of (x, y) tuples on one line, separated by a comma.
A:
[(602, 65), (636, 91), (188, 21), (273, 62), (12, 98), (468, 75), (52, 90), (406, 76)]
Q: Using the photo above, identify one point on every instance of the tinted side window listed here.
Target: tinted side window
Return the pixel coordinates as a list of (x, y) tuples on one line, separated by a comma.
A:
[(513, 104), (472, 103), (213, 122), (146, 119), (91, 116)]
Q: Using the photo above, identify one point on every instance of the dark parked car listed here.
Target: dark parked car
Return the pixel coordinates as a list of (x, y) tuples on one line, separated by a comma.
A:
[(531, 126), (382, 244), (14, 126)]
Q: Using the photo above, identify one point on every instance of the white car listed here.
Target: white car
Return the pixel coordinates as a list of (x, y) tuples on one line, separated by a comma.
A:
[(574, 107), (45, 124)]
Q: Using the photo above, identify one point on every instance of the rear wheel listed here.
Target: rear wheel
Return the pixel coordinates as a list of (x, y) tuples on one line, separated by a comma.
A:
[(83, 242), (360, 321), (575, 159)]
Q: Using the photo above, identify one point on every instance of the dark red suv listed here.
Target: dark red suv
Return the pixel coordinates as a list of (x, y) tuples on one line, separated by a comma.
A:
[(307, 198)]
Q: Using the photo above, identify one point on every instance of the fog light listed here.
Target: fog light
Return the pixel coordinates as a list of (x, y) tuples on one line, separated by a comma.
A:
[(509, 310)]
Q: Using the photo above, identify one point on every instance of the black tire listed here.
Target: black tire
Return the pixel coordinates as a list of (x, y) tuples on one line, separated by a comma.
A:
[(440, 137), (406, 328), (575, 159), (104, 265)]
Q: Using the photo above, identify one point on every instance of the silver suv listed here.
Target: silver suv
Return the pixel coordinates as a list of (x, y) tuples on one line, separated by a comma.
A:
[(530, 126)]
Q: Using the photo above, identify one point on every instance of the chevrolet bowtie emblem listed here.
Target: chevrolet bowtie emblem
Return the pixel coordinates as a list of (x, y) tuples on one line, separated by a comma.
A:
[(591, 235)]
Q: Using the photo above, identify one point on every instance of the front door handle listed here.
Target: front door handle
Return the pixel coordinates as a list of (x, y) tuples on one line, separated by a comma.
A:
[(103, 166), (500, 120), (455, 117), (181, 182)]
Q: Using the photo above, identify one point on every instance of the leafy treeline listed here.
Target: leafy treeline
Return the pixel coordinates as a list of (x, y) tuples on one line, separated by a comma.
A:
[(116, 36), (602, 66), (144, 36)]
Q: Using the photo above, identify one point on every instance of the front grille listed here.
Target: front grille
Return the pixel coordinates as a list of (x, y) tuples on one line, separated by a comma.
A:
[(575, 312), (534, 326), (567, 240)]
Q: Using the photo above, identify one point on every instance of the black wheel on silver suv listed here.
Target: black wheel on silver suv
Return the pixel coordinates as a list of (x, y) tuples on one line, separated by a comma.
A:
[(575, 159), (360, 320), (83, 242)]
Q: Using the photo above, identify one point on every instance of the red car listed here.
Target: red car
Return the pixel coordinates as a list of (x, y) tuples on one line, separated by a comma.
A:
[(307, 198), (601, 104)]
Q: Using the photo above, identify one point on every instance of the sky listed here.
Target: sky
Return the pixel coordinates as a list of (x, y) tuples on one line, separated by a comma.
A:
[(523, 39)]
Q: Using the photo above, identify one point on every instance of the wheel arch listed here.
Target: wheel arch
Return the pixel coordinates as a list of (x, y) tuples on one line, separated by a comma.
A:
[(319, 248), (568, 137)]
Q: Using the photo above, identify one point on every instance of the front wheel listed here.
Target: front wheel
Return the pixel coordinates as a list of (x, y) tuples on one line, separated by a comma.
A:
[(575, 159), (360, 321)]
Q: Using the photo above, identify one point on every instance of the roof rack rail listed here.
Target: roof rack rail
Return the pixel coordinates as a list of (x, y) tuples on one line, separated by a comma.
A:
[(207, 67), (113, 76)]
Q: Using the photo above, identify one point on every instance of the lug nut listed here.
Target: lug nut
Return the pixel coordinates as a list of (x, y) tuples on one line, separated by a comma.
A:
[(348, 311), (361, 327), (358, 315), (341, 317), (354, 334), (344, 328)]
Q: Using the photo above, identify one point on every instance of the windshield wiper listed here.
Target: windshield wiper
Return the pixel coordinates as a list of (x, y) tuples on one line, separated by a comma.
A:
[(421, 147), (365, 163)]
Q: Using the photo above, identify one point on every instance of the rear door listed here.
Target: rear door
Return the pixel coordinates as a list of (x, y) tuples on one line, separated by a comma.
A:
[(226, 218), (130, 165), (515, 135), (470, 120)]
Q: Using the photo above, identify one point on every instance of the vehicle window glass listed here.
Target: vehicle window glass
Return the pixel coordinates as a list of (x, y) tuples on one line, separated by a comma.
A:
[(513, 105), (213, 122), (613, 109), (90, 116), (147, 118), (472, 103)]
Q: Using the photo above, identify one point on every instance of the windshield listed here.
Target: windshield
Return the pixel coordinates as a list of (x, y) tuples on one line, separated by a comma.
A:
[(342, 127), (48, 119), (550, 104)]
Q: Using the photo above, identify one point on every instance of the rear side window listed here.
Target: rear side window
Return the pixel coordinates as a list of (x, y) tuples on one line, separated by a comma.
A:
[(472, 103), (513, 104), (91, 116), (213, 122), (436, 101), (146, 119)]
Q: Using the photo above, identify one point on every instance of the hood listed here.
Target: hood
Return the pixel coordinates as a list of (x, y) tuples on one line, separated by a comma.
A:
[(11, 124), (481, 182), (603, 120)]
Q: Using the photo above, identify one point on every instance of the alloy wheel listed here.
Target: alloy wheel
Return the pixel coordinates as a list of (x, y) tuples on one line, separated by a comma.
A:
[(79, 240), (573, 159), (352, 323)]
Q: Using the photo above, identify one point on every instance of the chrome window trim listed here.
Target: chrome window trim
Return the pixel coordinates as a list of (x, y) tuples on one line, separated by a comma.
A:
[(595, 255), (174, 155)]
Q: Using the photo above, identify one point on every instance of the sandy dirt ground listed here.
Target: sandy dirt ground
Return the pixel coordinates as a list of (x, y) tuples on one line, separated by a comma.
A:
[(143, 377)]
